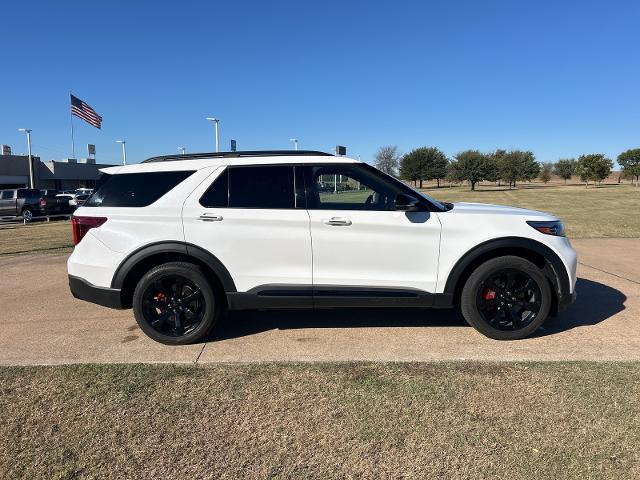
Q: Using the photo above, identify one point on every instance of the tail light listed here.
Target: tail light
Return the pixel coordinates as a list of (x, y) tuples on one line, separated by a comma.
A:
[(81, 225), (43, 202)]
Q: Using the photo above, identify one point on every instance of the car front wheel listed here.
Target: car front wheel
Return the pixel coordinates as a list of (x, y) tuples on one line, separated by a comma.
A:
[(175, 304), (506, 298)]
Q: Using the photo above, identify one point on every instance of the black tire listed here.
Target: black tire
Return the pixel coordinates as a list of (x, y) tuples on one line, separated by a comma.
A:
[(27, 214), (506, 298), (175, 304)]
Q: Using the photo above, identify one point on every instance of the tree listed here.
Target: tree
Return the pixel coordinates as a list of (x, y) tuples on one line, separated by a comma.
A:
[(498, 158), (529, 167), (594, 166), (454, 174), (410, 168), (430, 161), (436, 165), (388, 160), (545, 172), (630, 163), (474, 166), (565, 168), (518, 165)]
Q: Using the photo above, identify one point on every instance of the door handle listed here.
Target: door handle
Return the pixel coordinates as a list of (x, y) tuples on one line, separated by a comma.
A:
[(207, 217), (337, 222)]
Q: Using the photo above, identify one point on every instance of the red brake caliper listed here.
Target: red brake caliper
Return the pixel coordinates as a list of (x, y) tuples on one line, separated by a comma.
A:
[(488, 294)]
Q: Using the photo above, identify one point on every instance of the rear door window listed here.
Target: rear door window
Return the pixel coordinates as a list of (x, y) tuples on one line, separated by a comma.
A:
[(134, 189), (266, 187), (261, 187)]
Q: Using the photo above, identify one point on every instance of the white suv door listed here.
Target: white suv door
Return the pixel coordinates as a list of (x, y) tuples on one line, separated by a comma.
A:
[(247, 217), (359, 239)]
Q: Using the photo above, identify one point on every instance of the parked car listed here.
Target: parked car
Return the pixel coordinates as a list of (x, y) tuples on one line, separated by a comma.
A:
[(49, 192), (84, 191), (75, 200), (30, 203), (181, 238), (80, 199)]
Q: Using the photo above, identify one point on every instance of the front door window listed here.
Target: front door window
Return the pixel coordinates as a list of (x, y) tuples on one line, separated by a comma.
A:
[(346, 187)]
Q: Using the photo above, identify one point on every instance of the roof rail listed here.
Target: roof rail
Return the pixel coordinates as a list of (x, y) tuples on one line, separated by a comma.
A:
[(246, 153)]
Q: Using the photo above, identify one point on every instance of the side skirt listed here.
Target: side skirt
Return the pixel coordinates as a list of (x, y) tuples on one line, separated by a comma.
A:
[(285, 297)]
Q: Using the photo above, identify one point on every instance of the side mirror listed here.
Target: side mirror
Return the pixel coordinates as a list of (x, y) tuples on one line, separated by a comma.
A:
[(407, 203)]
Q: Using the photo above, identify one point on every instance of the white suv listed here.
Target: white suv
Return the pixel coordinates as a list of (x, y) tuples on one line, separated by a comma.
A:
[(182, 238)]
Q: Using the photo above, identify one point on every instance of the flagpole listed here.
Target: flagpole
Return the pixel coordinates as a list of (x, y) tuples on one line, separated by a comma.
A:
[(73, 145)]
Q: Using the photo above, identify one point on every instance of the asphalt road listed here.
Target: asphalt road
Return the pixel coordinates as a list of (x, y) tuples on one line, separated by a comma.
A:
[(41, 323)]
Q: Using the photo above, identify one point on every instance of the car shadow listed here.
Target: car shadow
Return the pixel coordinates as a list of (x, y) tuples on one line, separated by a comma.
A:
[(596, 302)]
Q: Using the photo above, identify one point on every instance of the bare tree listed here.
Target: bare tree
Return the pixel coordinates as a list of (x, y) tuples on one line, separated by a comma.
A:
[(388, 160)]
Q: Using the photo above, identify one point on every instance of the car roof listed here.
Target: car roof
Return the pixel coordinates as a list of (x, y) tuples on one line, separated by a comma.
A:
[(176, 163)]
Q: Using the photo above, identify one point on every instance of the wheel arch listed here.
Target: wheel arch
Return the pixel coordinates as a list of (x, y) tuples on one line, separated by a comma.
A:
[(539, 254), (142, 260)]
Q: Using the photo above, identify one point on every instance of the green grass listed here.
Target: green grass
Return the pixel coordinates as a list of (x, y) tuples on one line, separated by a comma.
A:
[(436, 420), (594, 212), (36, 237)]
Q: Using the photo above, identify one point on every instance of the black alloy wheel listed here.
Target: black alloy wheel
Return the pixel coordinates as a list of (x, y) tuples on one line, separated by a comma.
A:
[(506, 298), (173, 305), (176, 304), (509, 299)]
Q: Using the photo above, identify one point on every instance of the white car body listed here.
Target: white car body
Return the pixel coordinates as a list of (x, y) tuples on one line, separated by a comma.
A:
[(298, 248)]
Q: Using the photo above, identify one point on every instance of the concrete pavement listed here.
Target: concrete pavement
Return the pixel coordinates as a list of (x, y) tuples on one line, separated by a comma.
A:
[(41, 323)]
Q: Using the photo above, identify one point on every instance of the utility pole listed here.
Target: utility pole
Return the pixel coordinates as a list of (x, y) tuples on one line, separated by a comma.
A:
[(216, 121), (124, 151), (28, 132)]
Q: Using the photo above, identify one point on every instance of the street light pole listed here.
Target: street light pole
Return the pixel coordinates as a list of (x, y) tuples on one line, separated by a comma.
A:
[(182, 149), (216, 122), (295, 143), (124, 151), (28, 132)]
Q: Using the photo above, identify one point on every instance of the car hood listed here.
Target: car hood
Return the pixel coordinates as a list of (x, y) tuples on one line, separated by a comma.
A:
[(488, 209)]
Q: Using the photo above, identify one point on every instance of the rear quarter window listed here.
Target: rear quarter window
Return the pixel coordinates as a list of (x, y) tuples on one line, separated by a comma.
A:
[(134, 189)]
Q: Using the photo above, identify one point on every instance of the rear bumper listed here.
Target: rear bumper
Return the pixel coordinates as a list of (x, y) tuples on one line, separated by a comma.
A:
[(83, 290)]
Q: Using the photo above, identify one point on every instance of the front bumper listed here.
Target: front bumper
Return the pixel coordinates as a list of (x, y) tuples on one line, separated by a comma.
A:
[(565, 300), (83, 290)]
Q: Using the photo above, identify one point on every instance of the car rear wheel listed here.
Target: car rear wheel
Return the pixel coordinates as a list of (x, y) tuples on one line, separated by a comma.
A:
[(175, 304), (27, 214), (506, 298)]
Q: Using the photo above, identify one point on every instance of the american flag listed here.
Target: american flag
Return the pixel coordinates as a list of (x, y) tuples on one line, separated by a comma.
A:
[(85, 112)]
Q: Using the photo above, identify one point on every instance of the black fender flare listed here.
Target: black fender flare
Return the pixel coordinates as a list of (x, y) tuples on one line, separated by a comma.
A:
[(183, 248), (554, 270)]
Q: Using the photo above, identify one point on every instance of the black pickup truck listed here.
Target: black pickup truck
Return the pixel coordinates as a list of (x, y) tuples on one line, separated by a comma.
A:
[(31, 202)]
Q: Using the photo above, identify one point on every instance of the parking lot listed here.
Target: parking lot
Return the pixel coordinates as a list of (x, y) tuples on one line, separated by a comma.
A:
[(44, 324)]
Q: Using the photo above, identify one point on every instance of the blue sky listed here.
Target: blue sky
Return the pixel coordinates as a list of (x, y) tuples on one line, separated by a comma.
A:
[(558, 78)]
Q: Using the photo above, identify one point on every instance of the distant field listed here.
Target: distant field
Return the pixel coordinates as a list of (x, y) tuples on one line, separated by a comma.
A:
[(437, 420), (38, 236), (607, 211)]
